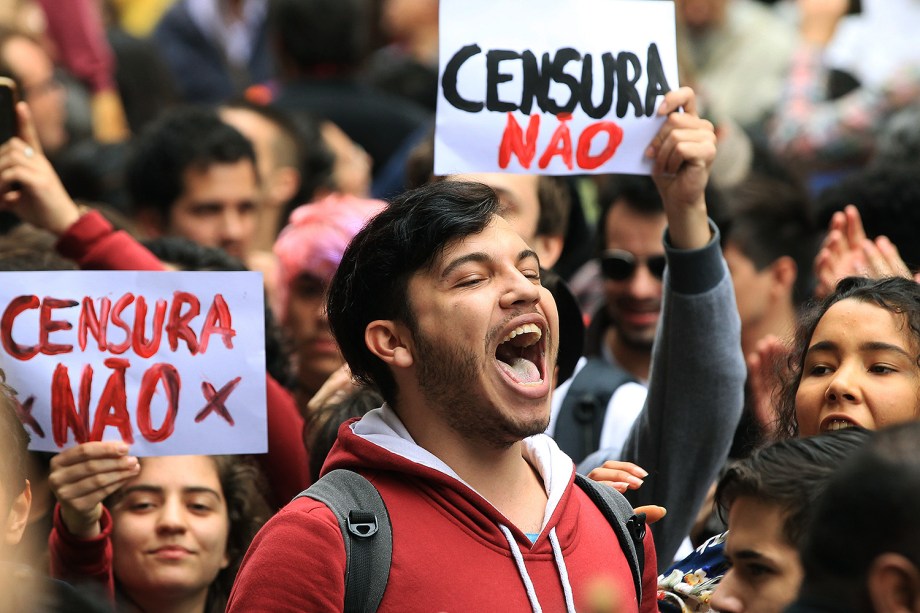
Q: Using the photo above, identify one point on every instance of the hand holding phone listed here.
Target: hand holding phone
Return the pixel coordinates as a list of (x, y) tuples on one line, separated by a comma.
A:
[(29, 186)]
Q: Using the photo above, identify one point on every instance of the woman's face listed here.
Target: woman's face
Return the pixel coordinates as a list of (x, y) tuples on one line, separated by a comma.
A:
[(860, 369), (170, 529)]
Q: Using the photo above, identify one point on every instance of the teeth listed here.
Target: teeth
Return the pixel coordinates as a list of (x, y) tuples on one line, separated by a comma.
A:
[(525, 329), (839, 424)]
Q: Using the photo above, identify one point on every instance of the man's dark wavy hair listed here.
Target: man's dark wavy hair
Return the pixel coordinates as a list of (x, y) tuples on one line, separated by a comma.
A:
[(181, 139), (790, 474), (372, 280), (873, 500)]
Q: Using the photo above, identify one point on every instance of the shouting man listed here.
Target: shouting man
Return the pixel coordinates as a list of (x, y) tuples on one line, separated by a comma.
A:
[(438, 302)]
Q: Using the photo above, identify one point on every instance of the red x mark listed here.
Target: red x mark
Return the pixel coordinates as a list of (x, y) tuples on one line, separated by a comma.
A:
[(24, 411), (216, 400)]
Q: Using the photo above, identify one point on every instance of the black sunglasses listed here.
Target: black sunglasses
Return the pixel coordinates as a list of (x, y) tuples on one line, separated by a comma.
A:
[(619, 265)]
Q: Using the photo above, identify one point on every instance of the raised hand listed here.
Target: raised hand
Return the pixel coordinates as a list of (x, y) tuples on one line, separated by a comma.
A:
[(847, 251), (83, 476), (764, 382), (683, 152)]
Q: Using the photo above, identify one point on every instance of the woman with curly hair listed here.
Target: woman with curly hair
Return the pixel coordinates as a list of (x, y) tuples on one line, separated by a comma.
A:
[(160, 533), (855, 359)]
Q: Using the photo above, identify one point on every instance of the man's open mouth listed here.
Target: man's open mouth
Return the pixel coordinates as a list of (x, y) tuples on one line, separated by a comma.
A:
[(520, 354)]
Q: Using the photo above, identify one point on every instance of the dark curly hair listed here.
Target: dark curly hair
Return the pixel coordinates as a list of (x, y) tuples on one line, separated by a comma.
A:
[(895, 294), (241, 480)]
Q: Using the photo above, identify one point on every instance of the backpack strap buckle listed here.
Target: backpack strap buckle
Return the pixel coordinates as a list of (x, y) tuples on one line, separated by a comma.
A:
[(362, 523)]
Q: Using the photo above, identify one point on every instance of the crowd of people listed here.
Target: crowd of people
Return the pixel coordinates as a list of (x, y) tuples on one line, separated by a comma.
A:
[(690, 391)]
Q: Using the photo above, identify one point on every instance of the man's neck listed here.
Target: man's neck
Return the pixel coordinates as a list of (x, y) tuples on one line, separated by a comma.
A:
[(634, 360), (507, 480), (500, 475)]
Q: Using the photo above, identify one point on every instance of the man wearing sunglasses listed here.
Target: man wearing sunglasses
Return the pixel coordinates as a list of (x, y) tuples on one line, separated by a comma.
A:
[(632, 265), (598, 407)]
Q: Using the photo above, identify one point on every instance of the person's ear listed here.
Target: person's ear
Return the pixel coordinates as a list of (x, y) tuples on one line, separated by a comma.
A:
[(18, 517), (894, 584), (784, 273), (390, 341), (548, 248)]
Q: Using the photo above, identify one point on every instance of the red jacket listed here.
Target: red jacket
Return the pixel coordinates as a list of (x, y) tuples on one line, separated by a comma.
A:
[(451, 547), (82, 560), (95, 245)]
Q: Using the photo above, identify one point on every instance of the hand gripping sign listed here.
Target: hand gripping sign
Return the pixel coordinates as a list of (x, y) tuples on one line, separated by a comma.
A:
[(170, 362), (552, 86)]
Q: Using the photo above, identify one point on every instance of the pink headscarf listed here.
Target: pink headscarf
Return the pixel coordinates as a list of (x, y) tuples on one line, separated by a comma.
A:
[(315, 239)]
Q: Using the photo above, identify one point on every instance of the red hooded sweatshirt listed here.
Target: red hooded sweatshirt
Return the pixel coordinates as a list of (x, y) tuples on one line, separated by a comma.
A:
[(452, 550)]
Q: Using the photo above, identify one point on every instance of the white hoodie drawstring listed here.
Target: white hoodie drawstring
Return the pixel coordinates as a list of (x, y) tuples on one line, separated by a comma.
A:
[(522, 570), (563, 571), (525, 576)]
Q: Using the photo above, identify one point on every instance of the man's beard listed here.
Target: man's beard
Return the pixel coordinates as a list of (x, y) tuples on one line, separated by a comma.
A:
[(641, 339), (449, 380), (640, 342)]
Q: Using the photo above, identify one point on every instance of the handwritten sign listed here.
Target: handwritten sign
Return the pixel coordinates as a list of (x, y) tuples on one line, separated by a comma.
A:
[(171, 362), (552, 86)]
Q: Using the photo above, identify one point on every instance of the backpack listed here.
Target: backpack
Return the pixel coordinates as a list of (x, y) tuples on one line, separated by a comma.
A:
[(581, 417), (365, 524)]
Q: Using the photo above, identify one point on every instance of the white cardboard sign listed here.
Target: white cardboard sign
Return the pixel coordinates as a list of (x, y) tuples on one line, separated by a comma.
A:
[(171, 362), (552, 86)]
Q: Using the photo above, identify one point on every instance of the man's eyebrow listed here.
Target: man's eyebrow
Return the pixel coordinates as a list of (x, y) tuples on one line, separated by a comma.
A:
[(483, 258), (206, 204), (478, 257), (748, 554), (528, 253)]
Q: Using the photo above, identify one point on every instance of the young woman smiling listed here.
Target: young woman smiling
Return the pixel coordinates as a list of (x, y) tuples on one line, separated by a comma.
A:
[(161, 533)]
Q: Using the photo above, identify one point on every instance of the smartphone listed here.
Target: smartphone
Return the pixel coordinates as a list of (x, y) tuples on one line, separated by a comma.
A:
[(854, 7), (9, 125)]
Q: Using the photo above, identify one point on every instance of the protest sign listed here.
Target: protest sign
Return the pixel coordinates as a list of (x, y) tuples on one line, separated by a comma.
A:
[(552, 86), (171, 362)]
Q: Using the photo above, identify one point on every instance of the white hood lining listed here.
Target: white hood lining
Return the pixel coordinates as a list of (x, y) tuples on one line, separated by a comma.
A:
[(383, 428)]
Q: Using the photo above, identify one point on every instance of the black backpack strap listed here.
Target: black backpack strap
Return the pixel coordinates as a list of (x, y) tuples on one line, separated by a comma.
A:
[(366, 530), (581, 417), (628, 525)]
